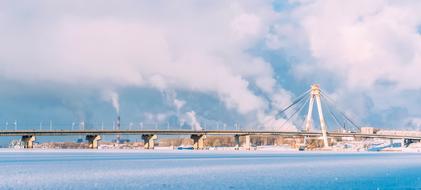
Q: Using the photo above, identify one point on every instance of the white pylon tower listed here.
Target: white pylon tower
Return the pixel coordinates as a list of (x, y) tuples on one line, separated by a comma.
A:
[(315, 94)]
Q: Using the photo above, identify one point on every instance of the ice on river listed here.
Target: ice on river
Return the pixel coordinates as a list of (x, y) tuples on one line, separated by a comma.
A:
[(139, 169)]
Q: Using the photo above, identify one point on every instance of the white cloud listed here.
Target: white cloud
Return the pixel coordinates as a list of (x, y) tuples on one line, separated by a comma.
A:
[(366, 41), (174, 101), (271, 122), (371, 47), (189, 46)]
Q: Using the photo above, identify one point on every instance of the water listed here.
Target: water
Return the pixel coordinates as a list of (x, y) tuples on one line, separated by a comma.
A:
[(90, 169)]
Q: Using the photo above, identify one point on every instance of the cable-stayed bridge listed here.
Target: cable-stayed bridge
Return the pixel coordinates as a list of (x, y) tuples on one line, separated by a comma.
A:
[(348, 128)]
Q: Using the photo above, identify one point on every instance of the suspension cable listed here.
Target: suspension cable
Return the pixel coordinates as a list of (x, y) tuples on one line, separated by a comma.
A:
[(333, 115), (329, 100), (303, 103), (301, 97), (296, 101)]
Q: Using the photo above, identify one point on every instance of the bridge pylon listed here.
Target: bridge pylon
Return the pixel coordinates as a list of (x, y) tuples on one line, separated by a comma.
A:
[(315, 95)]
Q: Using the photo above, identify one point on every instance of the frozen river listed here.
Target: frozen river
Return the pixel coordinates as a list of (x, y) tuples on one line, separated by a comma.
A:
[(89, 169)]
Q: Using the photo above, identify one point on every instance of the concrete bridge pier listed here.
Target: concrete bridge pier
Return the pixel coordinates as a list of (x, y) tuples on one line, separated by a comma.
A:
[(237, 142), (247, 144), (93, 141), (28, 141), (404, 143), (198, 141), (148, 141)]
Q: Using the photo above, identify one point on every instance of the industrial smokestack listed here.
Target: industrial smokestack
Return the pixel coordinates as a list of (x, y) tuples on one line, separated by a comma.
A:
[(118, 122), (117, 139)]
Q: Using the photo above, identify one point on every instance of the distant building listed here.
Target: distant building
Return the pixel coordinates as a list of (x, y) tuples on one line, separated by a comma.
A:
[(396, 132), (368, 130)]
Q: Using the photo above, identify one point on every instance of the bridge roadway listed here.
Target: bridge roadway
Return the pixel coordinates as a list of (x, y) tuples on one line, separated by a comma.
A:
[(191, 132), (93, 136)]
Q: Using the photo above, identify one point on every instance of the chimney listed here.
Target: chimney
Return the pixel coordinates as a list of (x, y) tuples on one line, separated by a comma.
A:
[(118, 123), (118, 128)]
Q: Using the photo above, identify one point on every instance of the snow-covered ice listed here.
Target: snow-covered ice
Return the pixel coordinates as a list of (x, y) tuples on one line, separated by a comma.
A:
[(161, 169)]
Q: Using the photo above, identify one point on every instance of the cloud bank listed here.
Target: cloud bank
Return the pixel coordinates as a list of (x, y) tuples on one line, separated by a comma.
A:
[(200, 47), (366, 54), (370, 51)]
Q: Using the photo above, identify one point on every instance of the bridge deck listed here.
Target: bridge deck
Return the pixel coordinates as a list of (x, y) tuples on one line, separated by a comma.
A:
[(191, 132)]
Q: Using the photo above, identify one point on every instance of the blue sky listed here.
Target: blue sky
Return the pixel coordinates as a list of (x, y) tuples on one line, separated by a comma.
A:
[(207, 62)]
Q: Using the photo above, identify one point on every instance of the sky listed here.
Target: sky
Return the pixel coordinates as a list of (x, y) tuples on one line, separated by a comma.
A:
[(207, 64)]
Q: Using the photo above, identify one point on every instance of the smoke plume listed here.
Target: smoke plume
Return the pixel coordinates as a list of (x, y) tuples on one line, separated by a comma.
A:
[(114, 99), (193, 121)]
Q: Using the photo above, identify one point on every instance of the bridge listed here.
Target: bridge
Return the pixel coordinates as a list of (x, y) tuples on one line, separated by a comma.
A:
[(198, 136), (93, 136)]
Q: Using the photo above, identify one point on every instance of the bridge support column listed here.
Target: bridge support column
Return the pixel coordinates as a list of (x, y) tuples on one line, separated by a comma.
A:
[(247, 144), (237, 142), (404, 143), (198, 141), (28, 141), (148, 141), (93, 141)]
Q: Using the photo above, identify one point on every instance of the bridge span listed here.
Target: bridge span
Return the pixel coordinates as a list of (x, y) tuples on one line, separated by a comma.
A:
[(198, 136)]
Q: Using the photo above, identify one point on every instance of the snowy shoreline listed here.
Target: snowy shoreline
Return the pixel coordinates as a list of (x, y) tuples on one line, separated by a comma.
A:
[(134, 151)]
